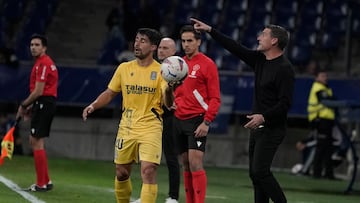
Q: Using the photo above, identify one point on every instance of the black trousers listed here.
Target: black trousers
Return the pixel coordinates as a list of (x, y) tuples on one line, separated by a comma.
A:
[(324, 149), (263, 145), (171, 156)]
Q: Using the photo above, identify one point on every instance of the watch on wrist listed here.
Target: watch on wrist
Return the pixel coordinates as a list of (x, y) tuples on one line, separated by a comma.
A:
[(207, 123)]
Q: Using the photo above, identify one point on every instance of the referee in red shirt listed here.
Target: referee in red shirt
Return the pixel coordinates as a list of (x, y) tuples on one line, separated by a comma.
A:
[(197, 102), (40, 105)]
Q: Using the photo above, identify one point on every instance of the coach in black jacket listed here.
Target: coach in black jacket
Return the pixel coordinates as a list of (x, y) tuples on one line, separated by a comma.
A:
[(274, 86)]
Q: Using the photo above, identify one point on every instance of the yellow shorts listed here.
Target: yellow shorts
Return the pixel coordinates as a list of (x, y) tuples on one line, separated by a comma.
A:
[(144, 144)]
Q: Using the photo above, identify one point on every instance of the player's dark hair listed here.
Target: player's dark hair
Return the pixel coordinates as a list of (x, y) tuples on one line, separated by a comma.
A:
[(190, 28), (153, 35), (42, 38), (281, 34)]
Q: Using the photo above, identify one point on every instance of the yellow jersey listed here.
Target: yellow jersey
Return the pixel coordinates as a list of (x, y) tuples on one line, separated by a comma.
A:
[(141, 89)]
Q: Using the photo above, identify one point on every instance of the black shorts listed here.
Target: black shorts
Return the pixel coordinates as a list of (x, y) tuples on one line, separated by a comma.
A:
[(184, 133), (43, 112)]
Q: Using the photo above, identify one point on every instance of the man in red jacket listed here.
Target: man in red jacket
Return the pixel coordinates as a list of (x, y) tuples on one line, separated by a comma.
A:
[(197, 102)]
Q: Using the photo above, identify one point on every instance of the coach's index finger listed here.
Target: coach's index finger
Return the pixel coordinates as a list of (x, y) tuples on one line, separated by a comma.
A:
[(194, 20), (200, 26)]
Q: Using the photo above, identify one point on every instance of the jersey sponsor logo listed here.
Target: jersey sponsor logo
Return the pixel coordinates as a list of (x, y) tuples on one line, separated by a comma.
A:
[(153, 75), (138, 89)]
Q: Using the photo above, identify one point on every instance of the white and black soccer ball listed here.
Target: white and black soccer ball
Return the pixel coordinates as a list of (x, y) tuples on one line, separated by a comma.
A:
[(296, 168), (174, 69)]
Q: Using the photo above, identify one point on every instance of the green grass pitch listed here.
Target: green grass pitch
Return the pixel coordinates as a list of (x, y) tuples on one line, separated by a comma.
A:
[(89, 181)]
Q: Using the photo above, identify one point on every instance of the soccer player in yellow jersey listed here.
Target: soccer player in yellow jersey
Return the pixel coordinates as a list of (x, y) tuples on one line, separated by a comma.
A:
[(140, 129)]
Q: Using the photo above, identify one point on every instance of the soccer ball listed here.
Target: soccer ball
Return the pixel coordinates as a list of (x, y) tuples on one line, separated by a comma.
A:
[(296, 168), (174, 69)]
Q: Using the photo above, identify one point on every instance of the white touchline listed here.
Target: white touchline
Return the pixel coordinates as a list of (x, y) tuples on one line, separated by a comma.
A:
[(215, 197), (11, 185)]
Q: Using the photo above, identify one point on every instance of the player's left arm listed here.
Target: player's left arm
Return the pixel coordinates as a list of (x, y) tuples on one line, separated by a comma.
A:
[(26, 105), (36, 93), (213, 91)]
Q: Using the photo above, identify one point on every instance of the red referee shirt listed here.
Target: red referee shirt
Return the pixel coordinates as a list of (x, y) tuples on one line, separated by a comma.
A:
[(44, 70), (200, 92)]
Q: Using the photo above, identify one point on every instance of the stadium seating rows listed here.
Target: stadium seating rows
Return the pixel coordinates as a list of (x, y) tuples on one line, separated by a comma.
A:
[(313, 24), (22, 18)]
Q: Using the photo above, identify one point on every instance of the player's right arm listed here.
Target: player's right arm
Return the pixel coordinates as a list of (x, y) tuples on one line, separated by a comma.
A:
[(102, 100), (168, 97)]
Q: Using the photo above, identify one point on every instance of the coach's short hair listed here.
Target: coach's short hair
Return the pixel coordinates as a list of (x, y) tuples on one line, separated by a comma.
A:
[(42, 38), (281, 34), (190, 28), (153, 35)]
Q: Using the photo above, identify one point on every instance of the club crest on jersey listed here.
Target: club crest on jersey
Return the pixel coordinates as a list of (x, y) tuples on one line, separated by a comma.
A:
[(196, 67), (153, 75)]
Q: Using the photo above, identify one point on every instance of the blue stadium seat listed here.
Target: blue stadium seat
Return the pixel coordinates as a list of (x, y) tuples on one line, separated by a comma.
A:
[(261, 5), (249, 38), (164, 7), (22, 46), (335, 16), (285, 20), (301, 46), (13, 10), (236, 6), (45, 8), (31, 25), (3, 28), (210, 13), (39, 16), (310, 18), (356, 26), (312, 7), (215, 52), (113, 46), (259, 17), (230, 62), (304, 38), (183, 13), (236, 11), (285, 13), (356, 19), (330, 41), (260, 12), (291, 7), (230, 29), (300, 55)]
